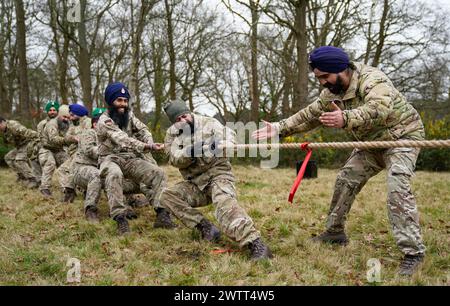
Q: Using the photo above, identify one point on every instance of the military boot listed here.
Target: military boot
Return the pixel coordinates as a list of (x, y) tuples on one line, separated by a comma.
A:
[(409, 264), (334, 238), (91, 214), (259, 250), (69, 195), (47, 193), (208, 230), (122, 224), (163, 219), (32, 184), (131, 214), (135, 201)]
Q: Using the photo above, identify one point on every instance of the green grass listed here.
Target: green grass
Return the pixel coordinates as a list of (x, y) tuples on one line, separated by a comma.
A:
[(38, 236)]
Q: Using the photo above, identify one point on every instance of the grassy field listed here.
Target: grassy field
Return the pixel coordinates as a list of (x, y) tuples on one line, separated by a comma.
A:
[(38, 236)]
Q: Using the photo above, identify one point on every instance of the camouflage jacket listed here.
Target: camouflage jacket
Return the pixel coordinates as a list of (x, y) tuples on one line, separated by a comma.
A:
[(129, 142), (87, 152), (18, 135), (41, 126), (373, 109), (199, 170), (77, 130), (53, 138)]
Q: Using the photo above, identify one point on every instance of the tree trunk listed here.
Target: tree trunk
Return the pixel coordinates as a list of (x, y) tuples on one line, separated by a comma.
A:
[(24, 91), (382, 35), (84, 59), (254, 86), (172, 75), (288, 50), (136, 54), (301, 86), (62, 53)]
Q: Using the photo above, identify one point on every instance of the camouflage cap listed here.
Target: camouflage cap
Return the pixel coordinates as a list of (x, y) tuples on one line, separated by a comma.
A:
[(175, 108)]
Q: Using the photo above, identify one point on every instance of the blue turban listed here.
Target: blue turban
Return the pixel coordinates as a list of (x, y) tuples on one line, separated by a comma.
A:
[(329, 59), (78, 110), (114, 91)]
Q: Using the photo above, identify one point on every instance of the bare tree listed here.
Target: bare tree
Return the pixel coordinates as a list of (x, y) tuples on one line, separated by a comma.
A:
[(24, 91)]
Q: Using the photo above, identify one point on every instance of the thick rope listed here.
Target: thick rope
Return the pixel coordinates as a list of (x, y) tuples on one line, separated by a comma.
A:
[(349, 145)]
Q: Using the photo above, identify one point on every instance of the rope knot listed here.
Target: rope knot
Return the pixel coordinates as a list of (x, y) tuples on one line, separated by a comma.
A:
[(304, 146)]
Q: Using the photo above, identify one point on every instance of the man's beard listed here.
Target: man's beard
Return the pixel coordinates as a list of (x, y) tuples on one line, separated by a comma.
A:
[(76, 122), (63, 125), (337, 88), (120, 119)]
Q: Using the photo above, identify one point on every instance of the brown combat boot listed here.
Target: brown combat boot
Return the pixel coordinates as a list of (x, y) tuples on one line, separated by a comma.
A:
[(69, 195), (32, 184), (259, 250), (410, 264), (136, 201), (46, 192), (163, 219), (208, 230), (122, 225), (334, 238), (91, 214)]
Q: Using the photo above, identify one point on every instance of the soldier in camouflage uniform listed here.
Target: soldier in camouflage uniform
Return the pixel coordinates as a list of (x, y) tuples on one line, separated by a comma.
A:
[(123, 139), (208, 179), (18, 158), (54, 141), (79, 122), (87, 175), (51, 109), (364, 102)]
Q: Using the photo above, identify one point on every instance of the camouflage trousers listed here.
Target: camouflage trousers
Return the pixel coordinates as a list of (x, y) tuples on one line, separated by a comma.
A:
[(17, 160), (150, 178), (65, 174), (88, 178), (183, 198), (48, 161), (401, 204)]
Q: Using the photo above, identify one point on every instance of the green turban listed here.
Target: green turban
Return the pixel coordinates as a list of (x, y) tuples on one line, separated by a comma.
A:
[(175, 108), (97, 112), (51, 104)]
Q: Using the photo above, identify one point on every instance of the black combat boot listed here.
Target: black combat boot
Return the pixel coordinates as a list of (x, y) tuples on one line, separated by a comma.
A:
[(131, 214), (334, 238), (258, 250), (47, 193), (163, 219), (91, 214), (208, 230), (69, 195), (409, 264), (122, 224)]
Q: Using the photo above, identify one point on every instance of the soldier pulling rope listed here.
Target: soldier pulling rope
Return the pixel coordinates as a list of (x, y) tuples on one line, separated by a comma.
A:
[(363, 101)]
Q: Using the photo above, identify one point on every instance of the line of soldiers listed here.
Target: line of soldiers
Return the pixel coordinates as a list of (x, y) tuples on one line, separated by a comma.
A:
[(112, 152)]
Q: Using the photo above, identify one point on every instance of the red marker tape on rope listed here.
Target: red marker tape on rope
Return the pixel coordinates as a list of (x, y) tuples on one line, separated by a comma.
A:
[(304, 147)]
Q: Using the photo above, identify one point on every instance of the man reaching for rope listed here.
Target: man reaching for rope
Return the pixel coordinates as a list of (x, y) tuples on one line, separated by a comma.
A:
[(363, 101)]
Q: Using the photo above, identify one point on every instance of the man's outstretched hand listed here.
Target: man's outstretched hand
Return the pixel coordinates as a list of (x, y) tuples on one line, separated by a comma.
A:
[(333, 119), (266, 132)]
